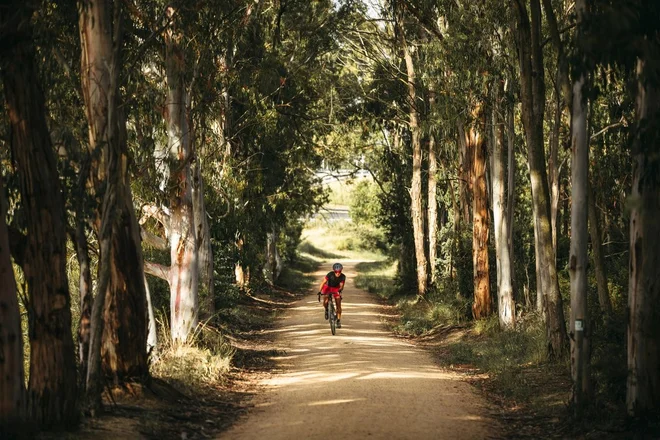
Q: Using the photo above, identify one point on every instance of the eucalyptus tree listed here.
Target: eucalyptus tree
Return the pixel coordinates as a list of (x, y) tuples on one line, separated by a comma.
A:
[(52, 389), (532, 92), (412, 104), (580, 365), (119, 316)]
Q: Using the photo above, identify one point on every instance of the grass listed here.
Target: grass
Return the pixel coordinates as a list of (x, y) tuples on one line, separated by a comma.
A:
[(197, 365), (340, 241), (377, 277)]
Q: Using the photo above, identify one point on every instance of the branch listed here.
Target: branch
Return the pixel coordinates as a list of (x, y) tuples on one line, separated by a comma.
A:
[(153, 240), (160, 214), (157, 270), (609, 127)]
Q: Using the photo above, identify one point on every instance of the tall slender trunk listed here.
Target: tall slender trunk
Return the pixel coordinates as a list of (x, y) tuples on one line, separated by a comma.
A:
[(465, 173), (432, 206), (599, 258), (511, 181), (580, 364), (643, 396), (533, 101), (505, 302), (124, 324), (553, 173), (12, 389), (481, 307), (511, 187), (183, 247), (416, 185), (52, 387), (204, 249)]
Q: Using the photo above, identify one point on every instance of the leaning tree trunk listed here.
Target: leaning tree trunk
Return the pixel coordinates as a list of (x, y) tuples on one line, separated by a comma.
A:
[(643, 397), (123, 349), (12, 378), (533, 103), (183, 247), (52, 387), (481, 307), (416, 184), (577, 267)]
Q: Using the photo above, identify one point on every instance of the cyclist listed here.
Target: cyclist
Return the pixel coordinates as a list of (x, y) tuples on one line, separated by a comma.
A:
[(333, 283)]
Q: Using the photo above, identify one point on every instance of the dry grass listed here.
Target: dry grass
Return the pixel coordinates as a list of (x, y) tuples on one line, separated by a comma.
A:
[(199, 364)]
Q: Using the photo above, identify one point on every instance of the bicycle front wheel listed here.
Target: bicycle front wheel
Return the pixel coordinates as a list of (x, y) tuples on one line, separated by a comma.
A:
[(333, 317)]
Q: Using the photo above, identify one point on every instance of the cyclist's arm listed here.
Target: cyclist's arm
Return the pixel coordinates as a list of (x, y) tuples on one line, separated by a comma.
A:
[(325, 280)]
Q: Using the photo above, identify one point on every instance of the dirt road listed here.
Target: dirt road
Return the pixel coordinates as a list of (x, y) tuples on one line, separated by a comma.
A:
[(360, 383)]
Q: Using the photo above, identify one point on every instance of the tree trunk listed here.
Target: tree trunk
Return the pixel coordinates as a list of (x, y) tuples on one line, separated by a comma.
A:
[(511, 185), (598, 257), (580, 337), (465, 173), (52, 387), (204, 249), (643, 396), (123, 348), (505, 303), (533, 102), (416, 184), (12, 378), (152, 330), (432, 207), (481, 307), (86, 298), (271, 259), (183, 247), (553, 174)]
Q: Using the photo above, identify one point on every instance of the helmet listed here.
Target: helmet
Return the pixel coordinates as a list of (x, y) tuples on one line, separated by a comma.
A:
[(337, 267)]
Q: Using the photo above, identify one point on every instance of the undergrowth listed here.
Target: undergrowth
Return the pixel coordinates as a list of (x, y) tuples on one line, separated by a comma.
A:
[(196, 365)]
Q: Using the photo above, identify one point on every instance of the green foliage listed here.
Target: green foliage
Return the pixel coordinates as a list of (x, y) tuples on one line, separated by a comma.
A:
[(365, 205)]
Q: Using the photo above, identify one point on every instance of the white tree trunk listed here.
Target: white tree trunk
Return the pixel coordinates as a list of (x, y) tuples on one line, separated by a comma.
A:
[(505, 302), (152, 330), (432, 206), (183, 247)]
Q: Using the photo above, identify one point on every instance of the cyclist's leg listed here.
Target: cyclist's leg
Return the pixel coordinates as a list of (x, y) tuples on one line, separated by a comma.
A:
[(326, 297), (338, 302)]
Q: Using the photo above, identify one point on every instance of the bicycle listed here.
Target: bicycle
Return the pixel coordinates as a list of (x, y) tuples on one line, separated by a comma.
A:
[(332, 313)]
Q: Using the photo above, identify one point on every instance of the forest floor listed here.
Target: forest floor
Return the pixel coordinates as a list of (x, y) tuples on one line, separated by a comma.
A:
[(162, 412)]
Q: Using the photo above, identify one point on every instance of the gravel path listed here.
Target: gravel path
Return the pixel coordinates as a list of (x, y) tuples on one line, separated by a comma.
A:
[(360, 383)]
